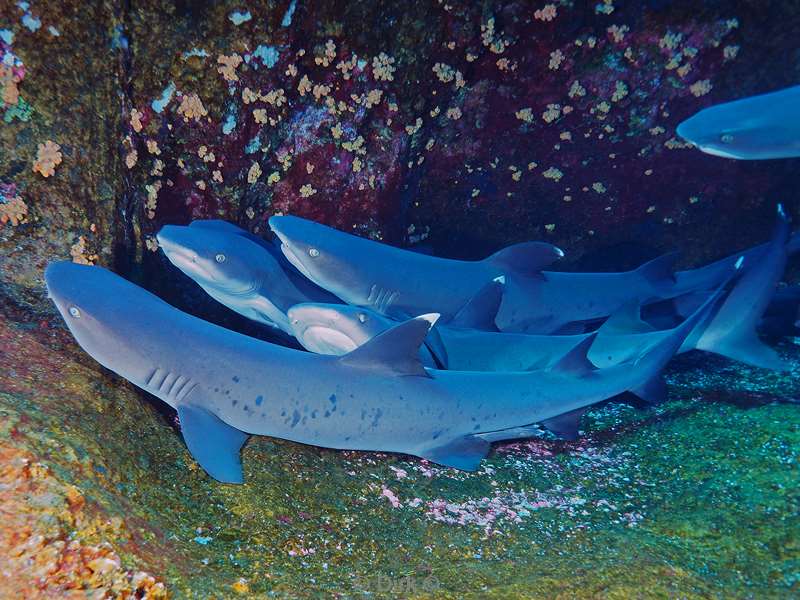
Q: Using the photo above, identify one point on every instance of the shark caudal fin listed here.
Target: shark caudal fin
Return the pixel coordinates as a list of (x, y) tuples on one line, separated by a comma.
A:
[(732, 331), (660, 272), (750, 350), (394, 351), (527, 258), (658, 355)]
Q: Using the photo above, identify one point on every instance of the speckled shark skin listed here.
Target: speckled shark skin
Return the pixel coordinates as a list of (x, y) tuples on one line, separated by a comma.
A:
[(400, 283), (225, 385)]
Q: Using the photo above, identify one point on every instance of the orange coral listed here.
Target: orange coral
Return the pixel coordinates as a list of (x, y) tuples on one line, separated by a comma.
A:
[(47, 158), (192, 107), (228, 65), (14, 211), (8, 84), (37, 557)]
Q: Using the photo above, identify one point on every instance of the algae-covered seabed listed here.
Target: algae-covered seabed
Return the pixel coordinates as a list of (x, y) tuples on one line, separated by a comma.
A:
[(697, 498), (468, 125)]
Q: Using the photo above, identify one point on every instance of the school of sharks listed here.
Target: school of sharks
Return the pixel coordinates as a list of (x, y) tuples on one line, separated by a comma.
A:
[(436, 358)]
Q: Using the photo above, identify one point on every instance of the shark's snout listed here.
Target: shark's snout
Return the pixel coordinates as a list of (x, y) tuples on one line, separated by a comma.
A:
[(59, 277), (177, 244)]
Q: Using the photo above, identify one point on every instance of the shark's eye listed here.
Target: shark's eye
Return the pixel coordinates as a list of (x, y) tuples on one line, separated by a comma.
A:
[(362, 317), (75, 312), (313, 252), (726, 138), (220, 258)]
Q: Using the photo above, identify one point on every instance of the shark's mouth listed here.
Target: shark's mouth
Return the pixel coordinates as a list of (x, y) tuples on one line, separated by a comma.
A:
[(716, 151), (188, 263), (295, 261), (324, 340)]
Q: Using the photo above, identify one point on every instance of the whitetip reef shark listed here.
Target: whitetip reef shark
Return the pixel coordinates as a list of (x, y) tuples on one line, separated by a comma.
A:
[(756, 128), (239, 270), (730, 331), (379, 397), (396, 282), (401, 283), (340, 328)]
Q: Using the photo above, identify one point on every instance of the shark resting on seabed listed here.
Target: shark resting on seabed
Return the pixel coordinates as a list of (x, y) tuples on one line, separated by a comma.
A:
[(378, 397)]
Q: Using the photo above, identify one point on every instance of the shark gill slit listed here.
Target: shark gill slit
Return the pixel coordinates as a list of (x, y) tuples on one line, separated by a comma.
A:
[(175, 385), (380, 297)]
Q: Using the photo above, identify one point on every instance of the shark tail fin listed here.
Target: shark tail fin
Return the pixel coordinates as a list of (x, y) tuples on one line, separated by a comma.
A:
[(396, 350), (660, 272), (527, 258), (749, 349), (479, 312), (732, 332), (658, 355)]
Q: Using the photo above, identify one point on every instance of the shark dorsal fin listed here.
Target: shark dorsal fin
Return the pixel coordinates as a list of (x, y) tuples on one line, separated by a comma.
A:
[(660, 270), (627, 319), (576, 361), (527, 258), (396, 350), (479, 312)]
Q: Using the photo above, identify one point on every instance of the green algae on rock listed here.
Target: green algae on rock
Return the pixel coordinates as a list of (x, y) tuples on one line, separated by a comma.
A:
[(693, 499)]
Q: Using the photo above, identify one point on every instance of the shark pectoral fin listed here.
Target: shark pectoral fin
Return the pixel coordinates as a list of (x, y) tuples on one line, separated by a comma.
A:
[(480, 311), (751, 350), (396, 350), (213, 443), (464, 453), (660, 272), (527, 258), (653, 391), (627, 319), (565, 426), (576, 362)]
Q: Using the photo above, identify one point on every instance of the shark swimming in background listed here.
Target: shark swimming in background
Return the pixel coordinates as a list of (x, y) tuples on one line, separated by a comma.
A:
[(400, 283), (378, 397), (239, 270), (755, 128)]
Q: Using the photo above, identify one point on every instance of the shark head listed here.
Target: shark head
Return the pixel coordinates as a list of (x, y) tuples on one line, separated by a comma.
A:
[(104, 313), (750, 129), (218, 259), (334, 328), (323, 254)]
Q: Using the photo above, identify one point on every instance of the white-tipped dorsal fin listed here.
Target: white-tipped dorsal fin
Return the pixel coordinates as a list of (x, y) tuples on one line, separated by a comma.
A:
[(396, 350), (527, 258)]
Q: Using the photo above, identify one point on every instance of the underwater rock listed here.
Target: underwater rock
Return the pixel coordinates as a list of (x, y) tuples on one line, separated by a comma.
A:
[(464, 126)]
